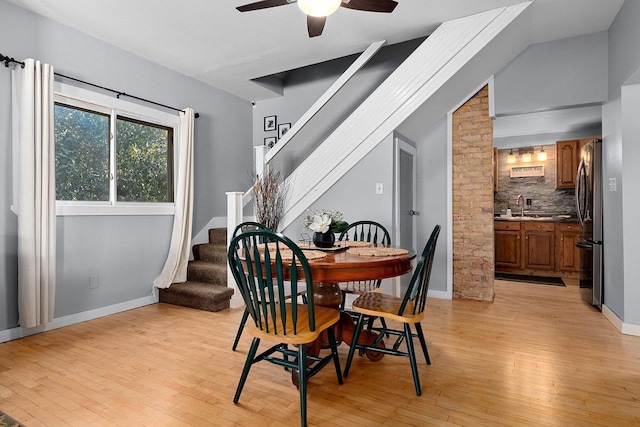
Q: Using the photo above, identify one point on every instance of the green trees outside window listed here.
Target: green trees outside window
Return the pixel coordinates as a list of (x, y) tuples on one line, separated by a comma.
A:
[(143, 169), (143, 156), (82, 154)]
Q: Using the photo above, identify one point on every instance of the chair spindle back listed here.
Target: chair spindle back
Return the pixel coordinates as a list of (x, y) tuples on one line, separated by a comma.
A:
[(267, 266), (367, 231), (419, 285)]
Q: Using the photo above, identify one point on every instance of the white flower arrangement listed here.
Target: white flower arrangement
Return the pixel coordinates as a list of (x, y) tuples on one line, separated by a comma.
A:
[(322, 221)]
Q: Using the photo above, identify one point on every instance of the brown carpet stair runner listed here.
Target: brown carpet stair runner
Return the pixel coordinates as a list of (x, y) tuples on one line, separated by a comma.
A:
[(206, 285)]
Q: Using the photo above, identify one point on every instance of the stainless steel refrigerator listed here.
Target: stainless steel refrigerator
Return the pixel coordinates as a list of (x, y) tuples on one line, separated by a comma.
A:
[(589, 207)]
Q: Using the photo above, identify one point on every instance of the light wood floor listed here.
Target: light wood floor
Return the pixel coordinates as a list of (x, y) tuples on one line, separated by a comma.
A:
[(536, 356)]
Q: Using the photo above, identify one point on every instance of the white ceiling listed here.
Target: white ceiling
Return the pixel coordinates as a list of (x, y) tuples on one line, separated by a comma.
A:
[(211, 41)]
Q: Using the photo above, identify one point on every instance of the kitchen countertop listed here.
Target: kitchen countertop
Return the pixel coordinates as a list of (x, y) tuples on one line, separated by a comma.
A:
[(551, 218)]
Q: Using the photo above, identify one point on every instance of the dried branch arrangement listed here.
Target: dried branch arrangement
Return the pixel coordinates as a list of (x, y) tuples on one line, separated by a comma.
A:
[(269, 195)]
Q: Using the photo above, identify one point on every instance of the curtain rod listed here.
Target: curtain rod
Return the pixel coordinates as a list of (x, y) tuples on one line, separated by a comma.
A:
[(7, 60)]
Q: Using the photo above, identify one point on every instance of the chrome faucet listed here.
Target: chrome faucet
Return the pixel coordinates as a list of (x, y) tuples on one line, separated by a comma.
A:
[(520, 202)]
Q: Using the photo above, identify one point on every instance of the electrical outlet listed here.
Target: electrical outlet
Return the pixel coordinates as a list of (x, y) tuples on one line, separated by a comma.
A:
[(612, 184), (378, 188), (93, 281)]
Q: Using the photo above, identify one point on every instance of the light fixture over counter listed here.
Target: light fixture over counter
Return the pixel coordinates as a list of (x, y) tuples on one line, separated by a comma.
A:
[(542, 155), (319, 8), (526, 155)]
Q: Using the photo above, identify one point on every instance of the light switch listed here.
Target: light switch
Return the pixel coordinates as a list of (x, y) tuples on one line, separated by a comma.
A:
[(378, 188), (612, 184)]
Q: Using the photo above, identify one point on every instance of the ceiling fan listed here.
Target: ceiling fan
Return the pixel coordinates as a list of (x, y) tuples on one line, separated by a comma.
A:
[(318, 10)]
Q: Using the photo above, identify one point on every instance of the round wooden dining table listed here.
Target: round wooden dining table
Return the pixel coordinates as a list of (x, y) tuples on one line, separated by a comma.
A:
[(340, 266)]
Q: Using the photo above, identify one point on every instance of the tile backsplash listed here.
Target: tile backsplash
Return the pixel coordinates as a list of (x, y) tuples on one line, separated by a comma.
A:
[(545, 199)]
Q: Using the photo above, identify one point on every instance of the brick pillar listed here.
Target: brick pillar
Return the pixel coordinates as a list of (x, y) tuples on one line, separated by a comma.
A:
[(473, 242)]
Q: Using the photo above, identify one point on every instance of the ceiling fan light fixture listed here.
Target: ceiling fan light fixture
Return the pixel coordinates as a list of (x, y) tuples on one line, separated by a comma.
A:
[(319, 8)]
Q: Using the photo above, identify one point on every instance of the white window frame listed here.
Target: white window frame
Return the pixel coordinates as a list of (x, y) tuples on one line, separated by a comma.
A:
[(78, 97)]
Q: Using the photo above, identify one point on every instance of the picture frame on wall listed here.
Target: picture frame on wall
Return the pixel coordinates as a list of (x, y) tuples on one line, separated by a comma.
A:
[(270, 123), (283, 128), (270, 141)]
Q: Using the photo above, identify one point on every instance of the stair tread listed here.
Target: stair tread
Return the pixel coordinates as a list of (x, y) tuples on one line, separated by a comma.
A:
[(206, 288), (193, 287), (208, 265), (198, 295)]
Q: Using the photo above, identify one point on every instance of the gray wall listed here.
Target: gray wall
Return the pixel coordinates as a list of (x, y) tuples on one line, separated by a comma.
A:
[(554, 74), (126, 253), (431, 197), (631, 205), (621, 155), (535, 92)]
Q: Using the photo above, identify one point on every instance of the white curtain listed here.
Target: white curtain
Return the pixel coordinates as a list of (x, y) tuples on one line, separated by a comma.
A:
[(175, 268), (36, 194)]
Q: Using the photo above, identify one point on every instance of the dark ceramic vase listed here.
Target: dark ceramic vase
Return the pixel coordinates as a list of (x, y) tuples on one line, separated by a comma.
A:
[(324, 240)]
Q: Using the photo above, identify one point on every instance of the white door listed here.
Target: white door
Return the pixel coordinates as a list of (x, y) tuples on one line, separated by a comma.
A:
[(405, 208)]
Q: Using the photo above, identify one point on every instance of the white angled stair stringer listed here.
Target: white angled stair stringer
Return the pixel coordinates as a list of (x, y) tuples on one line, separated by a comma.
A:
[(438, 59)]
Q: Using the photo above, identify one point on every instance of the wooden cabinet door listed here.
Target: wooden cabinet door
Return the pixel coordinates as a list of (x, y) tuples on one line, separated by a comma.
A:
[(508, 250), (568, 255), (539, 246), (567, 157)]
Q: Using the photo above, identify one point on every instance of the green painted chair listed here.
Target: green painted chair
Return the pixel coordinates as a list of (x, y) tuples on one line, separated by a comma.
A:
[(370, 232), (265, 265), (408, 310), (241, 228)]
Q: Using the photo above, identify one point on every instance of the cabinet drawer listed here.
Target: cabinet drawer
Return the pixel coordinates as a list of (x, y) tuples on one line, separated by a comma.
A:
[(507, 225), (539, 226), (568, 226)]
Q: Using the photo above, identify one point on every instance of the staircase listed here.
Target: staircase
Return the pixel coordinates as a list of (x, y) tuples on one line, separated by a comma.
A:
[(206, 285)]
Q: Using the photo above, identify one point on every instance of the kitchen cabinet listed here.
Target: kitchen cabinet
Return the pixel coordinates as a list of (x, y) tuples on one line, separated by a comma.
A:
[(544, 248), (539, 245), (508, 247), (567, 159), (568, 255)]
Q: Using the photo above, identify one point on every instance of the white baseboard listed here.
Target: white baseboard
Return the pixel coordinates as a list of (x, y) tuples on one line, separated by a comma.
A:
[(625, 328), (60, 322), (236, 302), (439, 294)]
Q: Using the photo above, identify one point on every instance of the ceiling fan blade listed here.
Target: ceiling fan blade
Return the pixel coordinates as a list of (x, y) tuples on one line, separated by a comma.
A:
[(262, 5), (315, 25), (385, 6)]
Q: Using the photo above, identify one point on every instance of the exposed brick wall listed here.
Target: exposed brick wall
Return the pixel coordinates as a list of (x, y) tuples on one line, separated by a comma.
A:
[(473, 244)]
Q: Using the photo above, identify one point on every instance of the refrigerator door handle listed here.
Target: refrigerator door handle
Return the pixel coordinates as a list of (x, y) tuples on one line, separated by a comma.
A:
[(579, 175)]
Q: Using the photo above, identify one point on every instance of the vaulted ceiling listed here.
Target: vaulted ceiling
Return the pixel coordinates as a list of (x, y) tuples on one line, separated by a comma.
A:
[(211, 41)]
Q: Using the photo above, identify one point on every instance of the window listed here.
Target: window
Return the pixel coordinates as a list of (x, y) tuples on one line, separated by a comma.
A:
[(112, 154)]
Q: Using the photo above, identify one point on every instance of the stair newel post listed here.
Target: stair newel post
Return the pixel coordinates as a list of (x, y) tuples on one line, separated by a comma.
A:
[(260, 158), (234, 217)]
